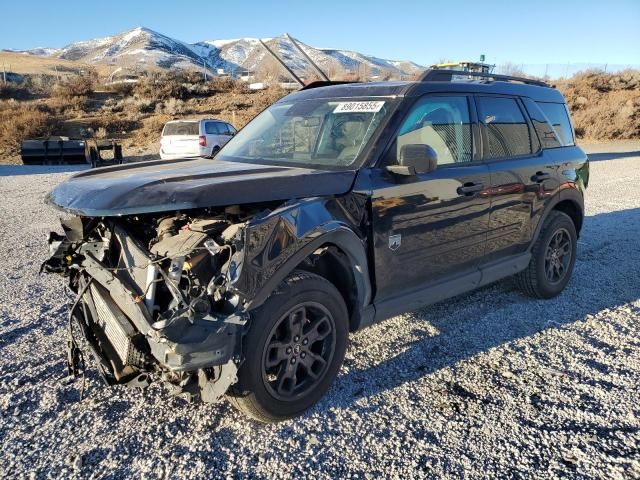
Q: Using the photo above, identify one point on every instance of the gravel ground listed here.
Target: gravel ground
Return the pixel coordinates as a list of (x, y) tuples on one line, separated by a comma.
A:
[(492, 384)]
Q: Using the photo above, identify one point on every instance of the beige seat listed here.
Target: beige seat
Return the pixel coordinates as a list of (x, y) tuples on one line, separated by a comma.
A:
[(352, 134)]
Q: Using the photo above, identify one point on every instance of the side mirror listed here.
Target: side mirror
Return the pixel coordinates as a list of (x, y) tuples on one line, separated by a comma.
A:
[(414, 159)]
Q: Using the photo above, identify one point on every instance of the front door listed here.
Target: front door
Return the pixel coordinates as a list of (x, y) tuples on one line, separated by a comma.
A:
[(430, 227)]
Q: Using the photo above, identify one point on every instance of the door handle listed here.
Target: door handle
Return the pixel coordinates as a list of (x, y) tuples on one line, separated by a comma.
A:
[(470, 188), (540, 177)]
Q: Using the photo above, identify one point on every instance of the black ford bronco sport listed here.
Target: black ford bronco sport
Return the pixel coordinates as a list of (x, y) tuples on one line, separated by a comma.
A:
[(336, 207)]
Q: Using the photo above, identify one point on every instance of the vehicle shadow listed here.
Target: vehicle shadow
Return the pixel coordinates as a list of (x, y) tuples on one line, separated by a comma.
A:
[(598, 157), (607, 275)]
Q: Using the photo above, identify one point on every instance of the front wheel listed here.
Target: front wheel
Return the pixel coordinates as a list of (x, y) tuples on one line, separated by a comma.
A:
[(294, 349), (552, 258)]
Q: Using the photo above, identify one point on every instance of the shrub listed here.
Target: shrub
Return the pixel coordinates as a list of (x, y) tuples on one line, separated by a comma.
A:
[(121, 88), (151, 130), (66, 105), (173, 106), (17, 91), (79, 86), (19, 121), (161, 87)]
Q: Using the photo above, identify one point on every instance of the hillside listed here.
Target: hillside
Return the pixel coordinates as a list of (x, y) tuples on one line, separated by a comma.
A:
[(145, 49), (28, 64)]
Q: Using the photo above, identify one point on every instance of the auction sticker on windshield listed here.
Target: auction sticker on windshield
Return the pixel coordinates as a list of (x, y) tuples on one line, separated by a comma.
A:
[(349, 107)]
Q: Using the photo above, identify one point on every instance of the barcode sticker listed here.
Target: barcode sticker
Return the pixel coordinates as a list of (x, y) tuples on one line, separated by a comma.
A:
[(350, 107)]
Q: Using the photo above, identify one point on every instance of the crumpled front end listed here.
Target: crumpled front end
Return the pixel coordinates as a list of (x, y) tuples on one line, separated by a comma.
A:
[(153, 298)]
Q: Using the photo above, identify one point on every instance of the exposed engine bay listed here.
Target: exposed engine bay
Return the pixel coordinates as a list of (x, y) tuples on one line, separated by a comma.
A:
[(155, 300)]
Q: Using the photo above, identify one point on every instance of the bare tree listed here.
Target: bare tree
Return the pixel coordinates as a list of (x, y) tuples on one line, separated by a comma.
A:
[(509, 68)]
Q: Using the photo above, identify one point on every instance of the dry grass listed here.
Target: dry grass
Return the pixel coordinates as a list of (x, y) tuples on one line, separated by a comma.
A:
[(603, 106), (19, 122), (79, 86)]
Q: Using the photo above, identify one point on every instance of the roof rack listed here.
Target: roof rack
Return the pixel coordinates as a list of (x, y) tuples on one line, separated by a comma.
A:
[(443, 75), (323, 83)]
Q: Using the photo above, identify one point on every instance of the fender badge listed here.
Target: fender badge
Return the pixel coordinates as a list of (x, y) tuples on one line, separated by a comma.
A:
[(395, 241)]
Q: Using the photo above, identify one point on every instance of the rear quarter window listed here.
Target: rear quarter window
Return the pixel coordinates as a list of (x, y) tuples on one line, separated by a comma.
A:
[(181, 128), (558, 117), (545, 132)]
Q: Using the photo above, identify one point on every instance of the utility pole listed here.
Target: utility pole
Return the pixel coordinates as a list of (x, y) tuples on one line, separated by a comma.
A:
[(4, 74), (204, 69)]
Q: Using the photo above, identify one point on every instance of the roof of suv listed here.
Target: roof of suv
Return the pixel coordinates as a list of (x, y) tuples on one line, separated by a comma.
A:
[(196, 120), (417, 88)]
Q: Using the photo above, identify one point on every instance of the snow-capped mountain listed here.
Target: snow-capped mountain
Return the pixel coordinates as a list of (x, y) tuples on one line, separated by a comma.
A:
[(145, 48)]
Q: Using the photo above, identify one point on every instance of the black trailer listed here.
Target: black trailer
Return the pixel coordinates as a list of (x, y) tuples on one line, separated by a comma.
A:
[(63, 150)]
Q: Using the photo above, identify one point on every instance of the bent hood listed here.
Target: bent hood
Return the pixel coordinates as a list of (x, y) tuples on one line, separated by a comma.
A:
[(159, 186)]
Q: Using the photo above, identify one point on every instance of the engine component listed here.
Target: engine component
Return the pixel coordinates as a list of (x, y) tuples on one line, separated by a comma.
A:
[(212, 389), (179, 245)]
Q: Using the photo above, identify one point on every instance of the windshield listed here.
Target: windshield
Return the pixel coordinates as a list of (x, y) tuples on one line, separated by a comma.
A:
[(317, 133)]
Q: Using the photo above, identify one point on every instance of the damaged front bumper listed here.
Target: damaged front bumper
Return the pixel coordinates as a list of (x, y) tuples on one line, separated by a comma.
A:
[(149, 316)]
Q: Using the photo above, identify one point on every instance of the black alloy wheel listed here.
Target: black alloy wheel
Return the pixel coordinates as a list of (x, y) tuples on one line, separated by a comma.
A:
[(300, 348), (293, 349), (558, 255)]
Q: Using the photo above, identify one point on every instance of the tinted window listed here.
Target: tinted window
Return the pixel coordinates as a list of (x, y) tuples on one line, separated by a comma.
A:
[(181, 128), (214, 128), (232, 129), (443, 124), (558, 116), (544, 130), (506, 129)]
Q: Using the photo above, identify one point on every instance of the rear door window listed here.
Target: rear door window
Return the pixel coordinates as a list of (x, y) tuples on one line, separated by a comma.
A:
[(558, 117), (214, 128), (505, 128), (181, 128)]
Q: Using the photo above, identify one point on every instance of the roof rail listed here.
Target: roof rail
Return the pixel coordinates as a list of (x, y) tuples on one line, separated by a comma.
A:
[(434, 75)]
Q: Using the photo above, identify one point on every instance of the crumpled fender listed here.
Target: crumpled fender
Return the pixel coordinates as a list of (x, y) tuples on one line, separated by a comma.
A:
[(276, 244)]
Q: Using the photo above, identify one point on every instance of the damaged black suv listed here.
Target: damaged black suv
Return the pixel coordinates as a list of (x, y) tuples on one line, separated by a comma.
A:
[(338, 206)]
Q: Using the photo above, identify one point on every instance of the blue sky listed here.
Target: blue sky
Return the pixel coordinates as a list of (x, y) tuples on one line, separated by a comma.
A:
[(536, 32)]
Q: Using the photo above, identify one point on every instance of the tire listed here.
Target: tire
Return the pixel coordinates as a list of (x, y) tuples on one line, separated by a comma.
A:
[(550, 269), (214, 152), (301, 328)]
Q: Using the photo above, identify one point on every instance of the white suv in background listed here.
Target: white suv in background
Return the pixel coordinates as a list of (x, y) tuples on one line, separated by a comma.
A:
[(194, 138)]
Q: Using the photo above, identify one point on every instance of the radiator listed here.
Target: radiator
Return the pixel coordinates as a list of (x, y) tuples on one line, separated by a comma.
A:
[(115, 325)]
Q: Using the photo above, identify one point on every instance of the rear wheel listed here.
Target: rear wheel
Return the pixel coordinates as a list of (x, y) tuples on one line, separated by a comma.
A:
[(214, 152), (294, 349), (552, 258)]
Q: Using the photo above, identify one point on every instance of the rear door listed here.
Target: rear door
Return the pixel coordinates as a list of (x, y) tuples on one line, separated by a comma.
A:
[(430, 227), (523, 176), (181, 138), (226, 133)]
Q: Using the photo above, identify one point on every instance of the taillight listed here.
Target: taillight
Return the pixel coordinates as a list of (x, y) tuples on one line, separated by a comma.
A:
[(202, 140)]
